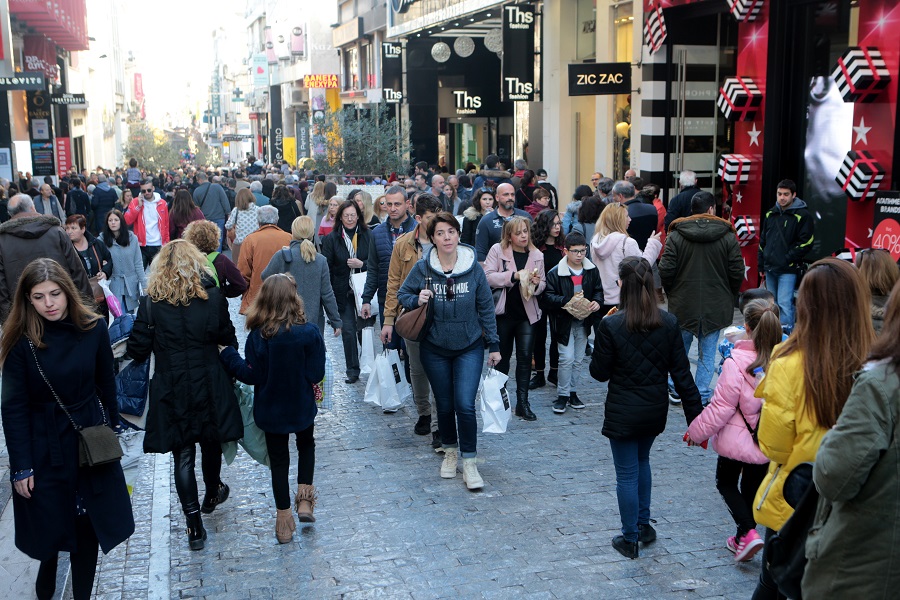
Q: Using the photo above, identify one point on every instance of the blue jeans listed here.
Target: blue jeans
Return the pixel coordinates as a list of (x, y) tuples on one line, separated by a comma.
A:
[(706, 360), (221, 224), (631, 458), (783, 286), (455, 402)]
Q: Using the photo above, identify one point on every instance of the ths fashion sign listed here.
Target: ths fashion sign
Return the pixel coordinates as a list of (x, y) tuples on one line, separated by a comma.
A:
[(599, 79), (517, 80)]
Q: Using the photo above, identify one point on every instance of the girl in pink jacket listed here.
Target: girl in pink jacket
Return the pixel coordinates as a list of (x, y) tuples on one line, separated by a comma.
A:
[(730, 421)]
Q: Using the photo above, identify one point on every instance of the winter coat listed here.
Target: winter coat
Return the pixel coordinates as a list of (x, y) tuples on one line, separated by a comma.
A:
[(282, 370), (787, 435), (134, 216), (407, 252), (313, 282), (496, 175), (231, 281), (878, 307), (460, 323), (39, 436), (785, 238), (257, 250), (24, 239), (176, 230), (643, 221), (191, 396), (490, 230), (287, 212), (680, 204), (637, 365), (50, 207), (78, 203), (609, 251), (535, 208), (560, 290), (852, 545), (721, 421), (380, 250), (471, 217), (702, 271), (335, 251), (103, 201), (97, 253), (212, 200), (500, 268), (128, 276)]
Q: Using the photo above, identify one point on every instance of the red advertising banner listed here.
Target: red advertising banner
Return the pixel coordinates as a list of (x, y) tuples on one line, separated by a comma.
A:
[(63, 154), (63, 21), (40, 55)]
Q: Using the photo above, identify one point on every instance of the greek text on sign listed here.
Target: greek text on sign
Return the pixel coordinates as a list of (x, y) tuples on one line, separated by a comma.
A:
[(321, 82), (68, 99)]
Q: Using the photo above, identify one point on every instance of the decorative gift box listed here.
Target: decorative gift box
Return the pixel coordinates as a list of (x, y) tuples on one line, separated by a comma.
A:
[(745, 10), (734, 168), (655, 28), (739, 99), (746, 228), (861, 74), (860, 175)]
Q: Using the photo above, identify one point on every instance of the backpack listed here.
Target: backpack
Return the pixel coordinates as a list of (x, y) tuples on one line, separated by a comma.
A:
[(210, 258)]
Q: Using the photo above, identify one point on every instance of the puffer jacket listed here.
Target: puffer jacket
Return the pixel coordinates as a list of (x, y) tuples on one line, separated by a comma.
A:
[(785, 238), (852, 545), (787, 435), (637, 365), (608, 252), (721, 421), (500, 266)]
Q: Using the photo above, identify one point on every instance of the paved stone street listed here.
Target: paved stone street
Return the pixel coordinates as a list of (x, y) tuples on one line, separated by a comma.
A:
[(389, 527)]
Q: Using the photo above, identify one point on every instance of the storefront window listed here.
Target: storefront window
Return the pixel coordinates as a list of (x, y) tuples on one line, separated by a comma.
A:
[(623, 32), (586, 40), (351, 69), (371, 79)]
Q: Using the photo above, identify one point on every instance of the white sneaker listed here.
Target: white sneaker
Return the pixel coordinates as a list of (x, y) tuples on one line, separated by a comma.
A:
[(471, 477), (448, 467)]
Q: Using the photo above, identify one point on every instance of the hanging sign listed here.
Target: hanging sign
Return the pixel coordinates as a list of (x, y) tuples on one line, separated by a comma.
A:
[(599, 79), (517, 70)]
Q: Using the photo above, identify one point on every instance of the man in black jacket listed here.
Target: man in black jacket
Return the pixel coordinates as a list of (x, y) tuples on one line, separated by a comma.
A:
[(680, 204), (643, 216)]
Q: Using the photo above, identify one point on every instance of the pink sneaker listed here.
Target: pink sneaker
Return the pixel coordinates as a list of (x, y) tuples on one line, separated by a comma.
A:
[(748, 546), (731, 544)]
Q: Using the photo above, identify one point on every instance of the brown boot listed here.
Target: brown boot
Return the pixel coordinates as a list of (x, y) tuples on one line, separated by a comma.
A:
[(305, 502), (284, 525)]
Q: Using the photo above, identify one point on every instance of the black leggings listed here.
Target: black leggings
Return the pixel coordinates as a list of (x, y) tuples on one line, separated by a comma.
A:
[(83, 561), (739, 500), (522, 333), (280, 462), (186, 481), (540, 343)]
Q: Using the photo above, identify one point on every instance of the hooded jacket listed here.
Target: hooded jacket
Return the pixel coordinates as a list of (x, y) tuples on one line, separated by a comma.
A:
[(134, 216), (609, 251), (721, 421), (785, 238), (702, 271), (26, 238), (463, 321)]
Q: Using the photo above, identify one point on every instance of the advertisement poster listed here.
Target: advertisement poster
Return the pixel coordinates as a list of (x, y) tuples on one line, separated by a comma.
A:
[(886, 226)]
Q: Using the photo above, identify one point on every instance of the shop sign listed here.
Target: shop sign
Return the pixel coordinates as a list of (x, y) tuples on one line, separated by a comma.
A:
[(466, 104), (68, 99), (886, 226), (599, 79), (517, 70), (276, 131), (40, 130), (303, 149), (32, 81), (401, 6), (260, 71), (322, 82), (391, 72), (64, 154)]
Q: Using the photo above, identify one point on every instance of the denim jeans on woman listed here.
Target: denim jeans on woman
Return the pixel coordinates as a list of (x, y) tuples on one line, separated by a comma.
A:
[(456, 401), (631, 458)]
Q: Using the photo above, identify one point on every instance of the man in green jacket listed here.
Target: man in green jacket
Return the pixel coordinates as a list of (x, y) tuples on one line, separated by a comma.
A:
[(701, 270)]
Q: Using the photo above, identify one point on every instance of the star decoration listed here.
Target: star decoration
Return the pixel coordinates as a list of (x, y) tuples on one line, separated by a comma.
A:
[(746, 270), (754, 135), (871, 233), (738, 197), (861, 131)]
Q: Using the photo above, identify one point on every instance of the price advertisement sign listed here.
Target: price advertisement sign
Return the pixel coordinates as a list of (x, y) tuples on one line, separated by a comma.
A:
[(886, 228)]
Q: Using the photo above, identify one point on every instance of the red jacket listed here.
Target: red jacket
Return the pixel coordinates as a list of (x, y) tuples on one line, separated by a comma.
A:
[(134, 215)]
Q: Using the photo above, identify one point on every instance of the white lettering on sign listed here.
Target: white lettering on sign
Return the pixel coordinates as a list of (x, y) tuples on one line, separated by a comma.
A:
[(466, 104), (599, 78), (519, 19), (518, 90), (392, 96), (391, 49)]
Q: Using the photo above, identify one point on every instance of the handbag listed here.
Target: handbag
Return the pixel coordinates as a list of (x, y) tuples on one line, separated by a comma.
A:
[(98, 444), (413, 325)]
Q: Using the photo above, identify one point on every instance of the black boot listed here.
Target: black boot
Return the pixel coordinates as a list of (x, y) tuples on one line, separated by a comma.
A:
[(552, 375), (214, 497), (196, 532), (537, 381), (624, 547), (523, 409)]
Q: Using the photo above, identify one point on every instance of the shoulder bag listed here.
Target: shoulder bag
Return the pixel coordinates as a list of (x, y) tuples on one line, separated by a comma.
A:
[(413, 325), (98, 444)]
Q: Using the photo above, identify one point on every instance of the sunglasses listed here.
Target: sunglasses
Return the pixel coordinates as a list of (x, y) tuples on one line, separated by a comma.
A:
[(487, 190), (147, 190)]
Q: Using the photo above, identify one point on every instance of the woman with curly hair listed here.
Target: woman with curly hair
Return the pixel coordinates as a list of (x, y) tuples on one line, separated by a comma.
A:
[(206, 235), (548, 238), (182, 212), (183, 322)]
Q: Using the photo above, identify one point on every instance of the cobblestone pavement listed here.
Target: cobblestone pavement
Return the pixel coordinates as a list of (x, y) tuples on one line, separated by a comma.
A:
[(389, 527)]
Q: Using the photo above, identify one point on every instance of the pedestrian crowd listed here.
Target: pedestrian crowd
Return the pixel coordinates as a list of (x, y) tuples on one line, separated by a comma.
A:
[(462, 273)]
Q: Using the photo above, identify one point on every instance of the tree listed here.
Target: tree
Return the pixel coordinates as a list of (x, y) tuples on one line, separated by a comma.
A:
[(151, 147), (365, 142)]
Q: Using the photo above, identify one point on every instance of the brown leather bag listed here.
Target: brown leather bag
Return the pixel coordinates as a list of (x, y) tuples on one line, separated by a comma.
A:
[(413, 325)]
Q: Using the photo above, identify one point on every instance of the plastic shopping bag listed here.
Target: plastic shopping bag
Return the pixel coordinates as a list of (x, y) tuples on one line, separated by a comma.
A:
[(112, 303), (495, 409), (358, 284), (367, 351), (392, 380), (254, 440), (325, 388), (132, 443), (373, 390)]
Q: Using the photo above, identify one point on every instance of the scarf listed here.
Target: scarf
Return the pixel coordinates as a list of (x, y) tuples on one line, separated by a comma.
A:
[(350, 236)]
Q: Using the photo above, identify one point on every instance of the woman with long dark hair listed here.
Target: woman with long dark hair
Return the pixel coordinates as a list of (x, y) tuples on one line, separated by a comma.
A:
[(484, 201), (182, 212), (635, 351), (527, 185), (547, 236), (288, 210), (128, 277), (588, 214), (58, 373)]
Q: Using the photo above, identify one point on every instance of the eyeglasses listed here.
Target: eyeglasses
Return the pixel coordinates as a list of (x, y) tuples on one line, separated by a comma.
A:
[(150, 190), (450, 293), (577, 251)]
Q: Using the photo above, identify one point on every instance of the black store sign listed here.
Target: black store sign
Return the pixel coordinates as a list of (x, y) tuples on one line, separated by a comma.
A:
[(599, 79), (32, 81), (67, 99), (276, 133), (40, 130), (517, 71), (391, 72)]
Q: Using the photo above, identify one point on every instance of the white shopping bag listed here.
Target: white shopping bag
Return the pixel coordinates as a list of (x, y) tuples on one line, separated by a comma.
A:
[(373, 390), (367, 351), (495, 410), (392, 380), (358, 283)]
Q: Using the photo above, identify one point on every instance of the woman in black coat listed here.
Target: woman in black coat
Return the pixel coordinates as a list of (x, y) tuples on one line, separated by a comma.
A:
[(59, 506), (346, 249), (192, 399), (635, 350)]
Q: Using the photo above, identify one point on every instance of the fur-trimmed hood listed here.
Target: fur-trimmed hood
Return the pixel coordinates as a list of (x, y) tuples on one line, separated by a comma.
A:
[(30, 227), (472, 214)]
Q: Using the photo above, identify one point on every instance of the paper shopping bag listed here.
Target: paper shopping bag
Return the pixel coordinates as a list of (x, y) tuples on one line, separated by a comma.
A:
[(367, 351), (495, 409), (391, 379)]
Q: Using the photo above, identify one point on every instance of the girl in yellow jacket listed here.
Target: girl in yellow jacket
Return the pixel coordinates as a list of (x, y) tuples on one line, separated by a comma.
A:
[(807, 384)]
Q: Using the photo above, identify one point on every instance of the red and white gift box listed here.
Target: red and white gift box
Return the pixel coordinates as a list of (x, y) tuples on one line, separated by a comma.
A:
[(734, 168), (745, 10), (861, 74), (739, 99), (655, 29), (746, 228), (860, 175)]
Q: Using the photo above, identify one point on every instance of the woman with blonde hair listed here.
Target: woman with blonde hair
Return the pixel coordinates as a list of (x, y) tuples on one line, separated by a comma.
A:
[(310, 271), (879, 273), (242, 220), (611, 243), (183, 322), (364, 199), (327, 223), (285, 360), (381, 209), (56, 357)]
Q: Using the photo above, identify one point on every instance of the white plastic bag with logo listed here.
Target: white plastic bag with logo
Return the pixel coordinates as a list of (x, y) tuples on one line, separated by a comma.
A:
[(495, 409), (395, 390), (358, 284), (367, 351)]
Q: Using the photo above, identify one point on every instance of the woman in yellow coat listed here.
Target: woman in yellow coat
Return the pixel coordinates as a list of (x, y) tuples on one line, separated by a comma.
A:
[(807, 384)]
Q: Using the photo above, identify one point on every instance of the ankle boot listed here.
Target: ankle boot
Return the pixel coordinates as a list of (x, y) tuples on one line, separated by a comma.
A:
[(523, 409), (284, 525), (196, 532), (305, 502), (537, 381), (214, 497)]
